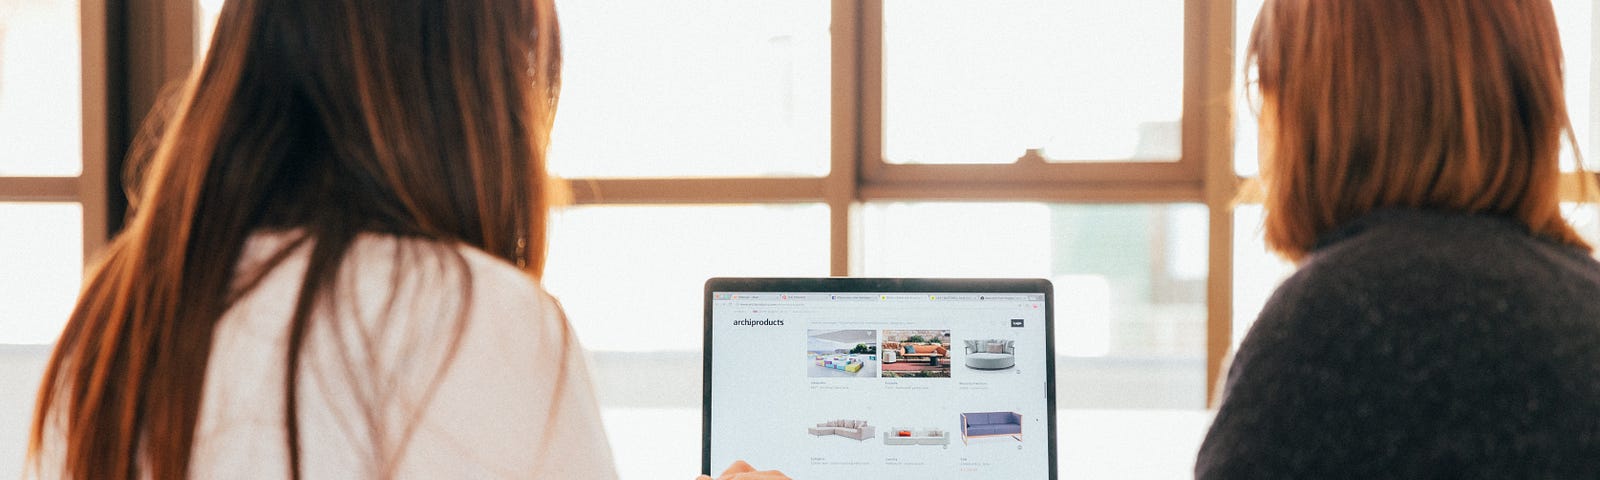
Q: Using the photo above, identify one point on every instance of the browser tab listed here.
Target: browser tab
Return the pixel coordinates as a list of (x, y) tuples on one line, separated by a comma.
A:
[(853, 296)]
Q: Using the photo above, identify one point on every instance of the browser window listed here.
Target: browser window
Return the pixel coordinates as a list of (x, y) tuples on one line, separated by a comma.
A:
[(847, 384)]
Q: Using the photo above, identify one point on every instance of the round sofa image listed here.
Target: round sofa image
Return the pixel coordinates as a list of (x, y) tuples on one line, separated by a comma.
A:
[(991, 354)]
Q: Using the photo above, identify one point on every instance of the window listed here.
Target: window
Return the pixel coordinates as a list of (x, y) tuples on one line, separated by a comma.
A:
[(44, 239), (52, 213), (722, 88), (930, 106), (42, 173), (983, 82), (642, 267)]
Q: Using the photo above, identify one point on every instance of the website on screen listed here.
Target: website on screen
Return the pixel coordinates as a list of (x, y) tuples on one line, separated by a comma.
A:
[(844, 385)]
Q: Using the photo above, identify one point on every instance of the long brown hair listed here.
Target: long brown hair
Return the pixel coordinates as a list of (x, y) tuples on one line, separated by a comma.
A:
[(422, 119), (1440, 104)]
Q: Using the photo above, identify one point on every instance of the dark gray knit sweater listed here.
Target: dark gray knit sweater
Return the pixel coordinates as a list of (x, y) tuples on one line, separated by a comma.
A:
[(1418, 344)]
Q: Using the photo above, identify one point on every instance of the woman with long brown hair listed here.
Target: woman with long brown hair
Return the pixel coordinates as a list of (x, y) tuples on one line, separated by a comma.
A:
[(1444, 321), (332, 266)]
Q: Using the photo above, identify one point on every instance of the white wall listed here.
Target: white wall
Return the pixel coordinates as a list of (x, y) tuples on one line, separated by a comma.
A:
[(20, 369)]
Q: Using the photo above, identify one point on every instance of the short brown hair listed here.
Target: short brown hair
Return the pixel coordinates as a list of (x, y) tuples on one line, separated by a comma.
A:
[(1435, 104)]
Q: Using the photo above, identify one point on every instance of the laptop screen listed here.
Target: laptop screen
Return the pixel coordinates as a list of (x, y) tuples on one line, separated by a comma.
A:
[(880, 378)]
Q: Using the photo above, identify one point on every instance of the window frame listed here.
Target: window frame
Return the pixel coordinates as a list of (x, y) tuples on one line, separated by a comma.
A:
[(859, 173), (88, 188), (135, 48), (140, 46), (1031, 168), (132, 50)]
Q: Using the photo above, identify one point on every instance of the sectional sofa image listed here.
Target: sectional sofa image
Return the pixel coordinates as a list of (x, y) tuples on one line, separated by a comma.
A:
[(991, 424), (845, 363), (853, 429)]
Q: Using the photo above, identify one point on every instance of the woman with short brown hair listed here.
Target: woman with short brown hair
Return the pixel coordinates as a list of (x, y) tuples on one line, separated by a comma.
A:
[(1445, 319)]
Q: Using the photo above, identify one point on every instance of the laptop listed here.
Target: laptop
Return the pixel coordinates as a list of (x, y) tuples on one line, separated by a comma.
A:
[(880, 378)]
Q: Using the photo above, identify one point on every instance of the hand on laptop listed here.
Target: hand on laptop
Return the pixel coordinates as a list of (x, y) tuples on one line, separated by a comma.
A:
[(743, 471)]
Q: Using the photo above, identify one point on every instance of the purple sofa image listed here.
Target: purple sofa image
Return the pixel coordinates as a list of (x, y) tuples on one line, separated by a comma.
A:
[(991, 424)]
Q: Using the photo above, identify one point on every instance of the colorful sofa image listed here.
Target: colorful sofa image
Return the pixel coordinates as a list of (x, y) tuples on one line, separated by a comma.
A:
[(842, 353), (915, 436), (856, 429), (991, 354), (991, 424), (841, 362), (915, 352)]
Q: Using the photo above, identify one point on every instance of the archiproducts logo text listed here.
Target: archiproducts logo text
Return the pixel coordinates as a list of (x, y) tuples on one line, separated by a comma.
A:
[(757, 323)]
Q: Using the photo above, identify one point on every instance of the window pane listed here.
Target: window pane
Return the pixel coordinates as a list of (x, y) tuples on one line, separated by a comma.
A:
[(1574, 18), (21, 367), (43, 241), (1129, 283), (41, 131), (1256, 271), (631, 277), (1585, 218), (981, 82), (714, 88), (206, 12), (1246, 157), (663, 89)]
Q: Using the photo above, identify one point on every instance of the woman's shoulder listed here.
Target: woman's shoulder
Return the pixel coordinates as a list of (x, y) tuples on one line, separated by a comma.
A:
[(433, 259), (465, 346), (392, 278), (1419, 277), (446, 271), (1421, 251)]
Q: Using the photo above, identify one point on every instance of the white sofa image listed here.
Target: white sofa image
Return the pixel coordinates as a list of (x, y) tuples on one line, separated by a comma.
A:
[(991, 354), (916, 436)]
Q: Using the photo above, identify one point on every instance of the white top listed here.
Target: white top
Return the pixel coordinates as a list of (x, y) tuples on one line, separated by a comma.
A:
[(514, 402)]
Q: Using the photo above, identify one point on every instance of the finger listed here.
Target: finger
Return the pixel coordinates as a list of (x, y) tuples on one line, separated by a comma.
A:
[(739, 466), (762, 475)]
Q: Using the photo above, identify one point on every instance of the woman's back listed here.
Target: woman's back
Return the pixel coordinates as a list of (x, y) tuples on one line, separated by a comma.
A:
[(383, 392), (1418, 344)]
